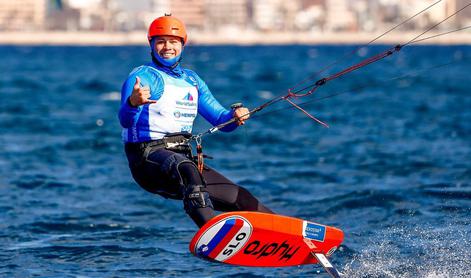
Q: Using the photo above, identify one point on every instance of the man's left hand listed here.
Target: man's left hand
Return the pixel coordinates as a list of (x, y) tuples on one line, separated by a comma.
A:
[(241, 114)]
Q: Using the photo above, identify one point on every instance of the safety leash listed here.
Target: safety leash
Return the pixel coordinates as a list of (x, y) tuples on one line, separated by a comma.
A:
[(199, 153)]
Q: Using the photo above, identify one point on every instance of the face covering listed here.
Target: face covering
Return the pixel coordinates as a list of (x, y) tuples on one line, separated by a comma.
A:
[(166, 62)]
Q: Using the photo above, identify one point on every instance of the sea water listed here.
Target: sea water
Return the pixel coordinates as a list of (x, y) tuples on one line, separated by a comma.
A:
[(393, 171)]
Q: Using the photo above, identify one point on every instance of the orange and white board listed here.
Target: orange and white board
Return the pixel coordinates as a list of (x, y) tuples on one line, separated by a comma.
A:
[(261, 239)]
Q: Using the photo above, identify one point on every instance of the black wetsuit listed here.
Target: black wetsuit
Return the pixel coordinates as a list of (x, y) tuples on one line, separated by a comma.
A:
[(172, 173)]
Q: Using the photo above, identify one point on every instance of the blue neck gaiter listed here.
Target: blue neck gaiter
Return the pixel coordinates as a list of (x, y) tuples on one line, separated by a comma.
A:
[(168, 65)]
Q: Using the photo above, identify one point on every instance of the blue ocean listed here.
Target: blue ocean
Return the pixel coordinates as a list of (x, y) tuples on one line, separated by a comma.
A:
[(393, 171)]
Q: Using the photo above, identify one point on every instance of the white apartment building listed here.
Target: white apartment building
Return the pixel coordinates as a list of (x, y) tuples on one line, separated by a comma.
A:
[(26, 15)]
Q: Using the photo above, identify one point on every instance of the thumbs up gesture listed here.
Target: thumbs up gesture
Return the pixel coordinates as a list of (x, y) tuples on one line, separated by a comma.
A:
[(140, 95)]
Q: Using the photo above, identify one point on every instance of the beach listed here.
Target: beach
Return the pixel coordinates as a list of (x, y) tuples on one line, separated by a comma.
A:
[(230, 37)]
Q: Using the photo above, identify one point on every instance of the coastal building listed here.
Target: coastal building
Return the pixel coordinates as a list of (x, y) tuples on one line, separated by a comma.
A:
[(464, 17), (227, 14), (367, 15), (275, 15), (266, 14), (96, 15), (310, 16), (435, 14), (339, 17), (160, 7), (23, 15), (289, 10), (157, 8), (192, 12)]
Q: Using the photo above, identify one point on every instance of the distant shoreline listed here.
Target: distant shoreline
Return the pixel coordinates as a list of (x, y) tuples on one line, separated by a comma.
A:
[(225, 38)]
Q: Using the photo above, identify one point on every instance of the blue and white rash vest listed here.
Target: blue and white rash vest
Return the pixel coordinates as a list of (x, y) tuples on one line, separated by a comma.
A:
[(180, 96)]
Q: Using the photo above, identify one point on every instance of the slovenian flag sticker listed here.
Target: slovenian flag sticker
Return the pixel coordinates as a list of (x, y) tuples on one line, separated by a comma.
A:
[(224, 239)]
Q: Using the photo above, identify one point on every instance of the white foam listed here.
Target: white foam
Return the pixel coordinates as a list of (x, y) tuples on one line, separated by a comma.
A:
[(428, 252)]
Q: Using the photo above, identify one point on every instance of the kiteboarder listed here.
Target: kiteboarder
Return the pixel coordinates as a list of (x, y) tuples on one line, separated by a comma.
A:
[(159, 102)]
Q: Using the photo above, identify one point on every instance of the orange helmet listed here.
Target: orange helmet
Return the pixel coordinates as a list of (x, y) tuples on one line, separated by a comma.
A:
[(167, 26)]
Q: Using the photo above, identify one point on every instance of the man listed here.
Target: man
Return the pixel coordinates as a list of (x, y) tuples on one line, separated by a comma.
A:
[(159, 102)]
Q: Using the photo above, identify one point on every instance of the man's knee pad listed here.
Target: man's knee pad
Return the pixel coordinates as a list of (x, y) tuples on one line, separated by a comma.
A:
[(195, 197)]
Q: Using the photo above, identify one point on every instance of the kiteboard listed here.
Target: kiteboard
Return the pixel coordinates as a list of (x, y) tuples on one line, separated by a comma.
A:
[(258, 239)]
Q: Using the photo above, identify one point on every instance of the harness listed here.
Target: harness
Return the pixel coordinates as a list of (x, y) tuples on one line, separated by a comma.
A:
[(177, 142)]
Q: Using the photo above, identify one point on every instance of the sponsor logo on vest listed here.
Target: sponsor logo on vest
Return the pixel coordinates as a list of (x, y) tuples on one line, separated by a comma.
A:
[(284, 251), (134, 134), (187, 128), (188, 97), (179, 114), (188, 115), (185, 103)]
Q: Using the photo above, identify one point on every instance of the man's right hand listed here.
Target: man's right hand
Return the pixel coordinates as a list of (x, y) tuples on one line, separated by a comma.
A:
[(140, 96)]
